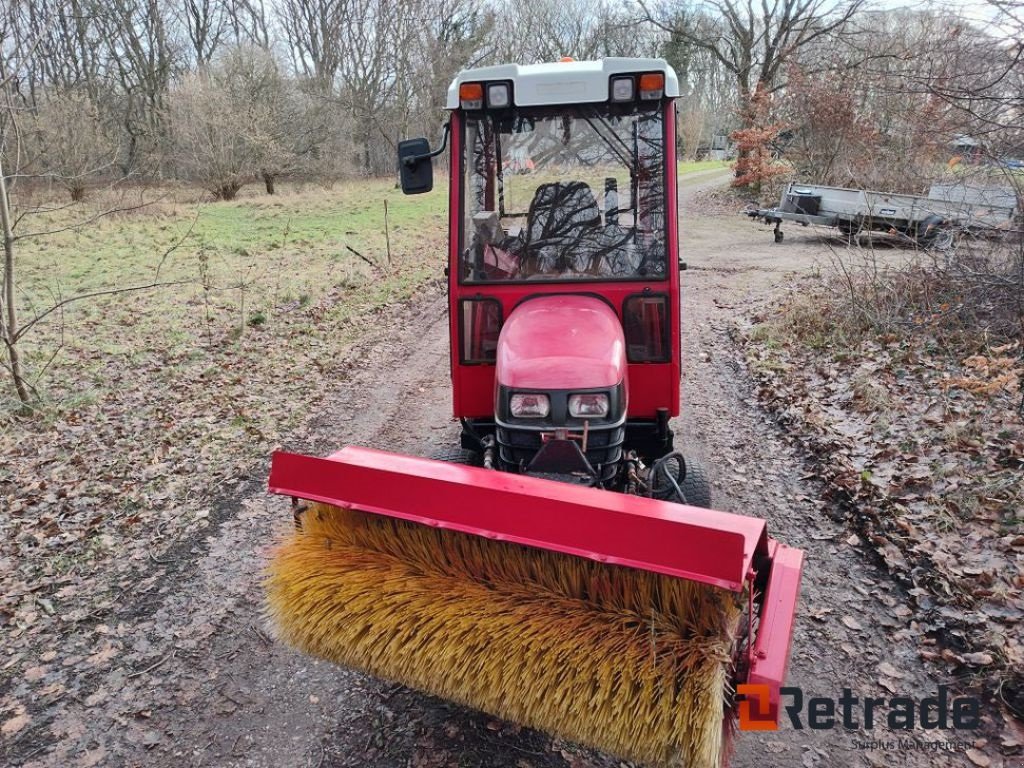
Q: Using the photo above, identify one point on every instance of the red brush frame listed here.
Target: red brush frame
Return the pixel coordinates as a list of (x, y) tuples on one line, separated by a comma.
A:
[(725, 550), (651, 385)]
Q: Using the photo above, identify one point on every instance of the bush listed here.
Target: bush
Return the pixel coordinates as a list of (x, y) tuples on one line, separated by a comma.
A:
[(974, 291)]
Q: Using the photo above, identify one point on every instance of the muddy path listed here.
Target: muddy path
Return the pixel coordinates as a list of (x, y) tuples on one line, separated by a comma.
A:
[(219, 692)]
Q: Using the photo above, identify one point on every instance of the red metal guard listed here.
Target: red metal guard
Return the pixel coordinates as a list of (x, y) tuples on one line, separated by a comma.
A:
[(703, 545), (770, 657)]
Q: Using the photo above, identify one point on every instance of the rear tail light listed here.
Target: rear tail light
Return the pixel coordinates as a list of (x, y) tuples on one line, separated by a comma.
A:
[(652, 86), (480, 321), (594, 405), (471, 96), (646, 325), (529, 406)]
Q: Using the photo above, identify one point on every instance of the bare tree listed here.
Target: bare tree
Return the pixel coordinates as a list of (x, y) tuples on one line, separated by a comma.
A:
[(546, 30), (22, 221), (241, 118), (142, 61), (374, 70), (210, 141), (71, 144), (863, 125), (312, 32), (10, 331), (707, 93), (249, 22), (280, 127), (982, 76), (752, 41), (205, 23), (453, 35)]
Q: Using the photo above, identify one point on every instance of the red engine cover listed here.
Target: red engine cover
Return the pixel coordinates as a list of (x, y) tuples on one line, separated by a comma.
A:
[(561, 342)]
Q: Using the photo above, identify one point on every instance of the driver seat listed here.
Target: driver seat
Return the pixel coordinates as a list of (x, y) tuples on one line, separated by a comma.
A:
[(561, 215)]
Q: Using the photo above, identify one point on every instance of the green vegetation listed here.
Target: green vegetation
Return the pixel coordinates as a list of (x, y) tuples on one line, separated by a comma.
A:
[(219, 270), (698, 166)]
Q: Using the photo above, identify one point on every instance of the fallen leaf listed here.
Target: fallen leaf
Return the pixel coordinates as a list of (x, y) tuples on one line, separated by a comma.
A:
[(96, 698), (103, 655), (978, 758), (33, 674), (92, 758), (851, 622), (14, 724), (889, 670), (980, 659), (150, 739)]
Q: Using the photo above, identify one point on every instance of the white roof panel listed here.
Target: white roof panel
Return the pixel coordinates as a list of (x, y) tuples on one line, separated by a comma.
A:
[(568, 82)]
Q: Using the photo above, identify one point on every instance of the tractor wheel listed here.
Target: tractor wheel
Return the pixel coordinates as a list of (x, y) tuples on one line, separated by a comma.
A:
[(696, 485), (456, 454)]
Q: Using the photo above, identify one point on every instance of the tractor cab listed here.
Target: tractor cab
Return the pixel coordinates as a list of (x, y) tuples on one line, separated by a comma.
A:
[(563, 266)]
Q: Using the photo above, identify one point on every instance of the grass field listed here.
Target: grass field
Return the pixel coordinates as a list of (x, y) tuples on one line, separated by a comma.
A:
[(697, 166), (226, 268)]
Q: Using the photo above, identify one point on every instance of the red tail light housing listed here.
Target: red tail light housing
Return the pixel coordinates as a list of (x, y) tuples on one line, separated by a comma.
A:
[(479, 325), (645, 323)]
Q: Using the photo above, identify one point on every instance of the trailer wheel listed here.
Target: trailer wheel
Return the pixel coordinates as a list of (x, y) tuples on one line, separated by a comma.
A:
[(942, 240), (934, 234), (456, 454), (697, 484), (849, 229)]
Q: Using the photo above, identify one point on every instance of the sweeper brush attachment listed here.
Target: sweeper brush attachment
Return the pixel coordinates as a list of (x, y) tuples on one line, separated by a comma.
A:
[(613, 621)]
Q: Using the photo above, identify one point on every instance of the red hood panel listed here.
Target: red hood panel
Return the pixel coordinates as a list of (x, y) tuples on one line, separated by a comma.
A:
[(561, 342)]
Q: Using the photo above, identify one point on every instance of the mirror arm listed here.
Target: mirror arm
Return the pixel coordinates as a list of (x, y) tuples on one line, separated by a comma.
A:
[(412, 160)]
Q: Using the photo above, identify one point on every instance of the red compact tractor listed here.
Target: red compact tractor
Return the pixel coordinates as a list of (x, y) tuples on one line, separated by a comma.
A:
[(565, 322)]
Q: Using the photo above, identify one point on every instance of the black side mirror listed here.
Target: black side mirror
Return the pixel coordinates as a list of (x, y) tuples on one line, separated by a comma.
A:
[(415, 166)]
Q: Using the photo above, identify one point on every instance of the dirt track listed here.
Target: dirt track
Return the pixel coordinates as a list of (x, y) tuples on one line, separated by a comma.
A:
[(222, 694)]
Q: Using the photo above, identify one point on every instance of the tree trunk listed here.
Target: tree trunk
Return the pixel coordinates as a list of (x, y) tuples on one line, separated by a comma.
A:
[(77, 193), (227, 191), (268, 182), (9, 323)]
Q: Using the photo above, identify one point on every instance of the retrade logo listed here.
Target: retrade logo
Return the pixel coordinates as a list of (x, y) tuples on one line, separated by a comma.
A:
[(755, 709), (939, 712)]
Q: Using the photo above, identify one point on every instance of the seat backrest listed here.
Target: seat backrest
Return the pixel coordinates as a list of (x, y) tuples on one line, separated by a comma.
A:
[(560, 211)]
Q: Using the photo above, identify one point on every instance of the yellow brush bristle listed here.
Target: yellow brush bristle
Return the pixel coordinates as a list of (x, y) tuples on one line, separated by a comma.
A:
[(633, 663)]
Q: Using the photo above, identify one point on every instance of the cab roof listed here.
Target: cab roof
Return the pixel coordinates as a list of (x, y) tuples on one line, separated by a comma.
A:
[(563, 82)]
